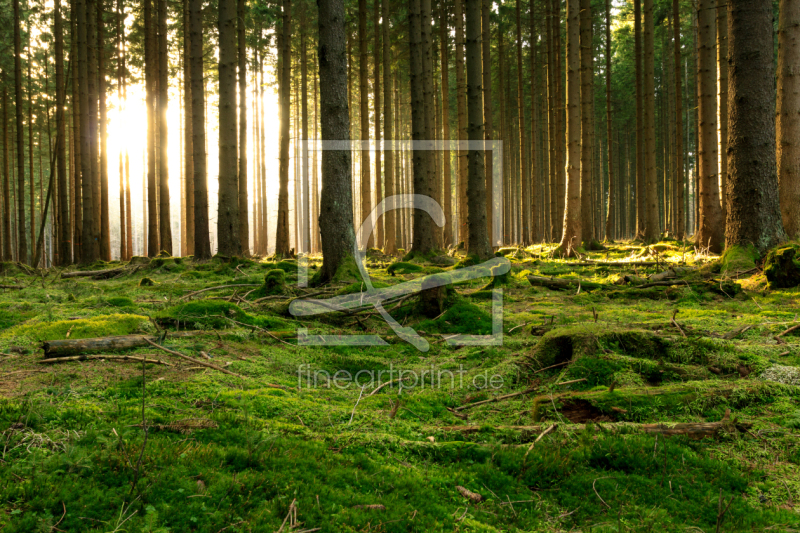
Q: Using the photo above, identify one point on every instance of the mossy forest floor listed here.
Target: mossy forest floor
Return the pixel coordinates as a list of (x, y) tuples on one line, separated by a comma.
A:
[(270, 453)]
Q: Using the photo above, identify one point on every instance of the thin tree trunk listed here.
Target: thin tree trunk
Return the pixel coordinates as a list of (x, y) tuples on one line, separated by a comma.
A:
[(571, 236), (444, 43), (754, 216), (523, 141), (486, 36), (390, 218), (476, 182), (202, 246), (722, 99), (150, 60), (680, 225), (652, 229), (285, 60), (710, 232), (461, 104), (262, 163), (228, 242), (244, 222), (188, 146), (305, 230), (123, 240), (164, 219), (22, 242), (611, 213), (105, 224), (587, 122), (535, 205), (788, 116), (64, 234)]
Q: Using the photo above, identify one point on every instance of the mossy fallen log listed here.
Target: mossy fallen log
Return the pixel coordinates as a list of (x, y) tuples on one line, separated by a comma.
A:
[(96, 274), (692, 429), (561, 284), (69, 347)]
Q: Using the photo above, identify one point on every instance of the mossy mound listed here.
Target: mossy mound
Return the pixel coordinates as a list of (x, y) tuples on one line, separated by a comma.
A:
[(213, 314), (402, 267), (146, 282), (85, 328), (461, 317), (781, 267), (275, 281), (359, 286), (115, 301), (468, 261), (139, 260), (738, 259), (167, 263)]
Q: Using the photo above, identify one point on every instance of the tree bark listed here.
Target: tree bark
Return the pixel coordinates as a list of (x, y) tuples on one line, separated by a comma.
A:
[(722, 100), (7, 207), (535, 205), (244, 222), (640, 173), (754, 215), (587, 120), (476, 181), (305, 229), (788, 116), (188, 144), (551, 122), (488, 120), (461, 105), (162, 103), (105, 224), (151, 78), (524, 170), (710, 232), (285, 60), (228, 243), (22, 241), (612, 191), (65, 229), (680, 225), (202, 246), (652, 230), (390, 218), (336, 199)]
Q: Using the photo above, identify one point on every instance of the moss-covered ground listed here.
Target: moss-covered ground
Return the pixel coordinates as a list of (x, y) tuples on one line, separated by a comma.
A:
[(222, 453)]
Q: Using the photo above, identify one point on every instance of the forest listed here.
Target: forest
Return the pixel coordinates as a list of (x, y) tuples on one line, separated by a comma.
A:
[(379, 265)]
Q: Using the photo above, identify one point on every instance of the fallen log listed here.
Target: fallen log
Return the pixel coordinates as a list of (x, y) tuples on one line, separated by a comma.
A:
[(57, 360), (96, 274), (692, 429), (16, 287), (564, 284), (67, 347)]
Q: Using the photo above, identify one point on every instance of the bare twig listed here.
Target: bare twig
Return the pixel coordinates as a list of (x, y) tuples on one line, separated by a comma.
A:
[(352, 414), (196, 361), (595, 490)]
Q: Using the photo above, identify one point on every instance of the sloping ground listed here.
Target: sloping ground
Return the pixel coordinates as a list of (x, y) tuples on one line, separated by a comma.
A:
[(224, 453)]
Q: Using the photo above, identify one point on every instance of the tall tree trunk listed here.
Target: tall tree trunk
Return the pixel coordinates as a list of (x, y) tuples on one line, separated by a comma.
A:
[(22, 240), (89, 249), (551, 121), (151, 79), (363, 93), (285, 65), (65, 230), (306, 215), (228, 243), (476, 181), (93, 102), (788, 116), (262, 164), (611, 213), (536, 205), (376, 100), (244, 222), (105, 225), (587, 122), (202, 246), (461, 105), (336, 199), (31, 204), (571, 235), (722, 100), (640, 170), (651, 230), (444, 43), (754, 216), (390, 218), (523, 153), (711, 229), (188, 145), (423, 237), (77, 131), (428, 94), (123, 240), (486, 36), (7, 207), (164, 219), (680, 226)]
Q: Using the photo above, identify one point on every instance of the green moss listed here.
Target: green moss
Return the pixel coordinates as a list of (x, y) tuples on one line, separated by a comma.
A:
[(146, 282), (781, 268), (462, 317), (119, 301), (738, 259), (275, 281), (214, 314), (99, 326), (359, 286), (402, 267)]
